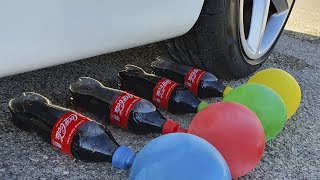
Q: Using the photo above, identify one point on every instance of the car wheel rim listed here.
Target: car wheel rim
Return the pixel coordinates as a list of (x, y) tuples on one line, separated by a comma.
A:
[(260, 23)]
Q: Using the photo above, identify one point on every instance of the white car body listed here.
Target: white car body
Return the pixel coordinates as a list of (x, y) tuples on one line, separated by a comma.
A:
[(41, 33)]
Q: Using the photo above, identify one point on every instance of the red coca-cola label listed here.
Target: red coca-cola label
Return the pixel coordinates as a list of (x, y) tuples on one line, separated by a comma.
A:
[(192, 79), (64, 130), (162, 92), (121, 108)]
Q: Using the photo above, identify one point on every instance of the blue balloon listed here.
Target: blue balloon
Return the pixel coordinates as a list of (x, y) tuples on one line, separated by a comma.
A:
[(179, 156)]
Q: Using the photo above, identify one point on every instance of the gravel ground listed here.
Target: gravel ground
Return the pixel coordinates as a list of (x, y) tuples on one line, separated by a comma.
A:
[(294, 154)]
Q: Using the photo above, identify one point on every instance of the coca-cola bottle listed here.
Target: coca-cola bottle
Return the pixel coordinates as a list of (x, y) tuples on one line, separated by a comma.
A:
[(163, 92), (71, 133), (120, 108), (201, 83)]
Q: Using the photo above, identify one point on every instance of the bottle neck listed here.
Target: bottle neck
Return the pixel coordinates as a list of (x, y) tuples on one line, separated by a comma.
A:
[(123, 158), (171, 126), (145, 122), (212, 88)]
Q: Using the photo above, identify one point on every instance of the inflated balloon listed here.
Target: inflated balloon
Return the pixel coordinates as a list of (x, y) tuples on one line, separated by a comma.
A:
[(266, 103), (235, 131), (179, 156), (284, 84)]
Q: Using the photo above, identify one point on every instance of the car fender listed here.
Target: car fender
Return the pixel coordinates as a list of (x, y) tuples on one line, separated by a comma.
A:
[(41, 33)]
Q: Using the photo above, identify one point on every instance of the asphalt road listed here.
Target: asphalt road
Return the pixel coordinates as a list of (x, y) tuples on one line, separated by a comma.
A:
[(294, 154)]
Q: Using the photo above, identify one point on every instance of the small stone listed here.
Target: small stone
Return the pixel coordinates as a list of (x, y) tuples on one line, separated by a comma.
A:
[(65, 173), (45, 157), (56, 169), (2, 170), (34, 159)]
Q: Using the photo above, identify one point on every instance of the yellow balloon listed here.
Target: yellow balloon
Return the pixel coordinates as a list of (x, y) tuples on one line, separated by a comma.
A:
[(284, 84)]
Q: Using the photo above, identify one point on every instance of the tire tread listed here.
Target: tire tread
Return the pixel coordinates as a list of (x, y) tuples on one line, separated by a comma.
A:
[(202, 46)]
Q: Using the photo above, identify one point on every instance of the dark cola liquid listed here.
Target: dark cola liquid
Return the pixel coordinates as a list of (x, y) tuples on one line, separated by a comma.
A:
[(209, 85), (33, 112), (137, 81), (92, 96)]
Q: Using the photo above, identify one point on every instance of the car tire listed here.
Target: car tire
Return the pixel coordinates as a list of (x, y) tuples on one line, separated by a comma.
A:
[(214, 43)]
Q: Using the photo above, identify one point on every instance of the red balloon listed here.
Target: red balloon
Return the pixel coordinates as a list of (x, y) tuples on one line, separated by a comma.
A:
[(235, 131)]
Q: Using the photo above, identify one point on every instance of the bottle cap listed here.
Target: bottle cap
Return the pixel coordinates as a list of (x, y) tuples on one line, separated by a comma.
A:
[(123, 158), (171, 126), (227, 90), (201, 106)]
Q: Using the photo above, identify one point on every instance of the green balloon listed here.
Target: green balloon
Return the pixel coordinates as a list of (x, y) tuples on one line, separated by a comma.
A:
[(265, 102)]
